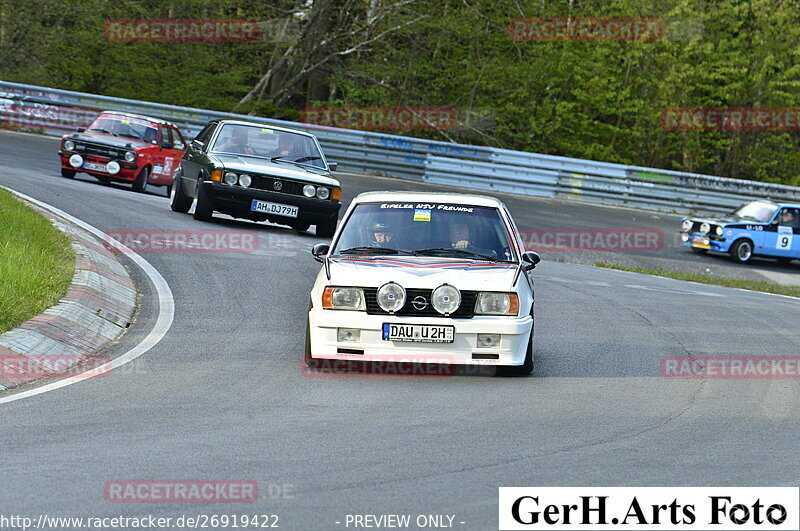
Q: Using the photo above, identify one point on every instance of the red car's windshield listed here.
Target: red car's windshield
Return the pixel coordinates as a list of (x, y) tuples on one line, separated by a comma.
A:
[(126, 126)]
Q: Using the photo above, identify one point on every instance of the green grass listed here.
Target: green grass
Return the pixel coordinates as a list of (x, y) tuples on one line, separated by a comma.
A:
[(753, 285), (36, 262)]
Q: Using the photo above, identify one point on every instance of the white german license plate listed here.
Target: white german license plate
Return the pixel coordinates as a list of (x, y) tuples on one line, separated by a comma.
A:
[(265, 207), (94, 167), (418, 333)]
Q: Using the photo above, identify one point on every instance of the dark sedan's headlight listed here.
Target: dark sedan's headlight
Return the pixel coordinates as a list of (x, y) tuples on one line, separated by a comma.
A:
[(130, 156), (245, 180), (230, 178), (323, 193)]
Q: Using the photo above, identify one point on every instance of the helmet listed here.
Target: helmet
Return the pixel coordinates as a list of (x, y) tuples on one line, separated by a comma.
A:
[(379, 230)]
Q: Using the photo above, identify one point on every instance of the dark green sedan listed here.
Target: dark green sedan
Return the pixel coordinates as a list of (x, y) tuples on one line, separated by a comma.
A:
[(258, 172)]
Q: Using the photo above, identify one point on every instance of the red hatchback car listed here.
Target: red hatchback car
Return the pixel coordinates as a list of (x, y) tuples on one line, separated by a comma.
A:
[(124, 147)]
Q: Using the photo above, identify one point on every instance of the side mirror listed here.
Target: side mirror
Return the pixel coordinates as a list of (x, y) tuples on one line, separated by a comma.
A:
[(531, 260), (333, 165), (81, 129), (319, 251), (196, 144)]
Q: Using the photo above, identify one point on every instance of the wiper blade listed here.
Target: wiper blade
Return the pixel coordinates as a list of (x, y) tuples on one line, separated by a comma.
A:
[(135, 137), (298, 162), (102, 131), (460, 252), (306, 159), (373, 249)]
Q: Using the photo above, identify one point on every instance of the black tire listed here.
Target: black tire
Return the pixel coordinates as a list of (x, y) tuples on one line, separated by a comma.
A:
[(300, 227), (310, 362), (180, 201), (325, 229), (69, 174), (520, 370), (742, 251), (169, 190), (202, 210), (140, 184)]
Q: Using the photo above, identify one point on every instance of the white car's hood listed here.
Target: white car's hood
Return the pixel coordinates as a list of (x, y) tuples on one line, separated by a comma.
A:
[(422, 273)]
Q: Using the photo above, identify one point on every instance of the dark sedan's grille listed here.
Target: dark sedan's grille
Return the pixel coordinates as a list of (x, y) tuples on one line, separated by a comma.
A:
[(465, 311), (98, 150), (261, 182)]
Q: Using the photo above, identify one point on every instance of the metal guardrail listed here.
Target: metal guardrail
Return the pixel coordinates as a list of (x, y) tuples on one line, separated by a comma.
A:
[(56, 112)]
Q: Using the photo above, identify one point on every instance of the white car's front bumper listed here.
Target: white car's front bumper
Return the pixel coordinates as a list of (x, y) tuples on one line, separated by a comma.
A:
[(463, 350)]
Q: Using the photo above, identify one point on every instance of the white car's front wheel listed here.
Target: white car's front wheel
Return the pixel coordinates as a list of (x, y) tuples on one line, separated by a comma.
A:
[(520, 370)]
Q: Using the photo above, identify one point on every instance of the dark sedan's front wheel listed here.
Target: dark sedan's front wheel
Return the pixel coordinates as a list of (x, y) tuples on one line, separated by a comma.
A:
[(202, 210), (325, 229)]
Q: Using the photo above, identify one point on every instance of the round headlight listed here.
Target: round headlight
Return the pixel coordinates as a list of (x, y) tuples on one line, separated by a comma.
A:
[(446, 299), (76, 161), (705, 227), (687, 225), (719, 230), (323, 193), (130, 156), (112, 167), (245, 180), (230, 178), (309, 191), (391, 297), (69, 145)]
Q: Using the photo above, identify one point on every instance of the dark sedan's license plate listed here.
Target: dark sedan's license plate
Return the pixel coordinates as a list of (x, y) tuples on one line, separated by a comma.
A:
[(418, 333)]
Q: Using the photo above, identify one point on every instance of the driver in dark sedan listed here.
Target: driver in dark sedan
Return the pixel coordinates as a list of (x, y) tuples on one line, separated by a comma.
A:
[(236, 143)]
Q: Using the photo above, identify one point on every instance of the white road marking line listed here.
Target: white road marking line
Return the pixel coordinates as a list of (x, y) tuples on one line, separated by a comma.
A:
[(166, 309)]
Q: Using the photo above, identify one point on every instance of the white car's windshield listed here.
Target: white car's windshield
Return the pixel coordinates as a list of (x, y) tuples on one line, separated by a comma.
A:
[(756, 210), (124, 126), (426, 229), (280, 146)]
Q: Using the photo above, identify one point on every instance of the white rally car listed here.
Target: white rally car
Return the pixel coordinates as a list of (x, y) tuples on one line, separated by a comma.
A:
[(424, 278)]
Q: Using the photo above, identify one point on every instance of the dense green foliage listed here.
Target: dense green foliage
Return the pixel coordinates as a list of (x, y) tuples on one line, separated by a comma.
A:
[(597, 100)]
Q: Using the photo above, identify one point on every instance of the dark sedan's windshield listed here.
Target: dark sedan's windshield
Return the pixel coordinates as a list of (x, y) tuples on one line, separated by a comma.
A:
[(265, 142), (426, 229), (756, 210)]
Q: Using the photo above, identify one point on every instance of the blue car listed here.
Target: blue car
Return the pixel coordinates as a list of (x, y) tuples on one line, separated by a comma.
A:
[(757, 228)]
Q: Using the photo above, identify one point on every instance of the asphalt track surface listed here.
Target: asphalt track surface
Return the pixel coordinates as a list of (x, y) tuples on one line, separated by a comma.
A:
[(223, 396)]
